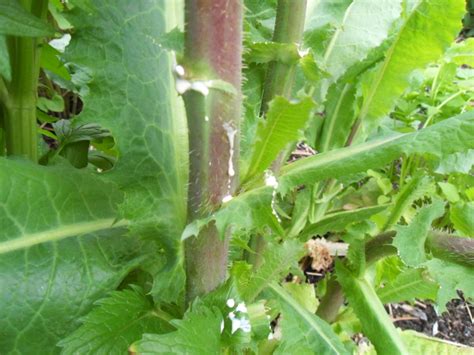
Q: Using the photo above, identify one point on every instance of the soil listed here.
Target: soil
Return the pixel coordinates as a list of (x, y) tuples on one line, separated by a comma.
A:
[(455, 324)]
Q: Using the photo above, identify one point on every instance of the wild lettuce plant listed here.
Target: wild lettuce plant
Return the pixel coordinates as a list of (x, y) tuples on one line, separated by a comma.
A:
[(151, 199)]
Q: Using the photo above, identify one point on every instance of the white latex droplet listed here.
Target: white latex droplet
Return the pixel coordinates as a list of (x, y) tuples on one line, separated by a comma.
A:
[(179, 69)]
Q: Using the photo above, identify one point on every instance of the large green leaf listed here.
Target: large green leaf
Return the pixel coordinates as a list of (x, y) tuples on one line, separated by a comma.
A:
[(132, 94), (60, 251), (340, 115), (16, 21), (461, 162), (365, 26), (462, 216), (199, 332), (408, 285), (251, 211), (303, 330), (375, 321), (114, 324), (449, 136), (421, 344), (416, 188), (283, 122), (410, 239), (276, 260), (338, 221), (451, 277), (429, 29), (322, 20)]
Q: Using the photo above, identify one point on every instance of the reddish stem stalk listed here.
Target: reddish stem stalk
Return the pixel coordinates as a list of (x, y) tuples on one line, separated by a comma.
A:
[(213, 51)]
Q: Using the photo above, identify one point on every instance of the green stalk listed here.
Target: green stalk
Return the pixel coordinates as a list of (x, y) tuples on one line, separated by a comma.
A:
[(213, 51), (289, 25), (20, 104)]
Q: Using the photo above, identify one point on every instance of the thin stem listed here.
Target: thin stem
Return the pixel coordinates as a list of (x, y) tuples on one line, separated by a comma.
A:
[(331, 301), (440, 106), (159, 313)]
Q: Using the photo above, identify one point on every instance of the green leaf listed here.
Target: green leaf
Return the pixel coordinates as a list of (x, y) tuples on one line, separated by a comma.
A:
[(461, 162), (410, 240), (408, 285), (421, 344), (462, 53), (5, 69), (301, 327), (449, 191), (304, 294), (45, 118), (283, 122), (61, 249), (70, 132), (340, 115), (133, 96), (173, 40), (429, 29), (365, 26), (55, 104), (84, 4), (277, 259), (416, 188), (16, 21), (451, 277), (356, 237), (50, 61), (114, 324), (376, 323), (199, 332), (441, 139), (299, 215), (322, 20), (338, 221), (462, 216), (264, 52), (250, 211)]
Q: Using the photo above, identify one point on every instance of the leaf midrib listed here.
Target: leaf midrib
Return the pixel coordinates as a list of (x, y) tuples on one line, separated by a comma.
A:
[(304, 314), (61, 232), (333, 119), (381, 73), (394, 291), (338, 32), (265, 141)]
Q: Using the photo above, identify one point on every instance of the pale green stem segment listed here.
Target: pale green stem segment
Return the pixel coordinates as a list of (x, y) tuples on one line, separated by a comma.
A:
[(59, 233), (20, 102), (213, 51), (289, 26)]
